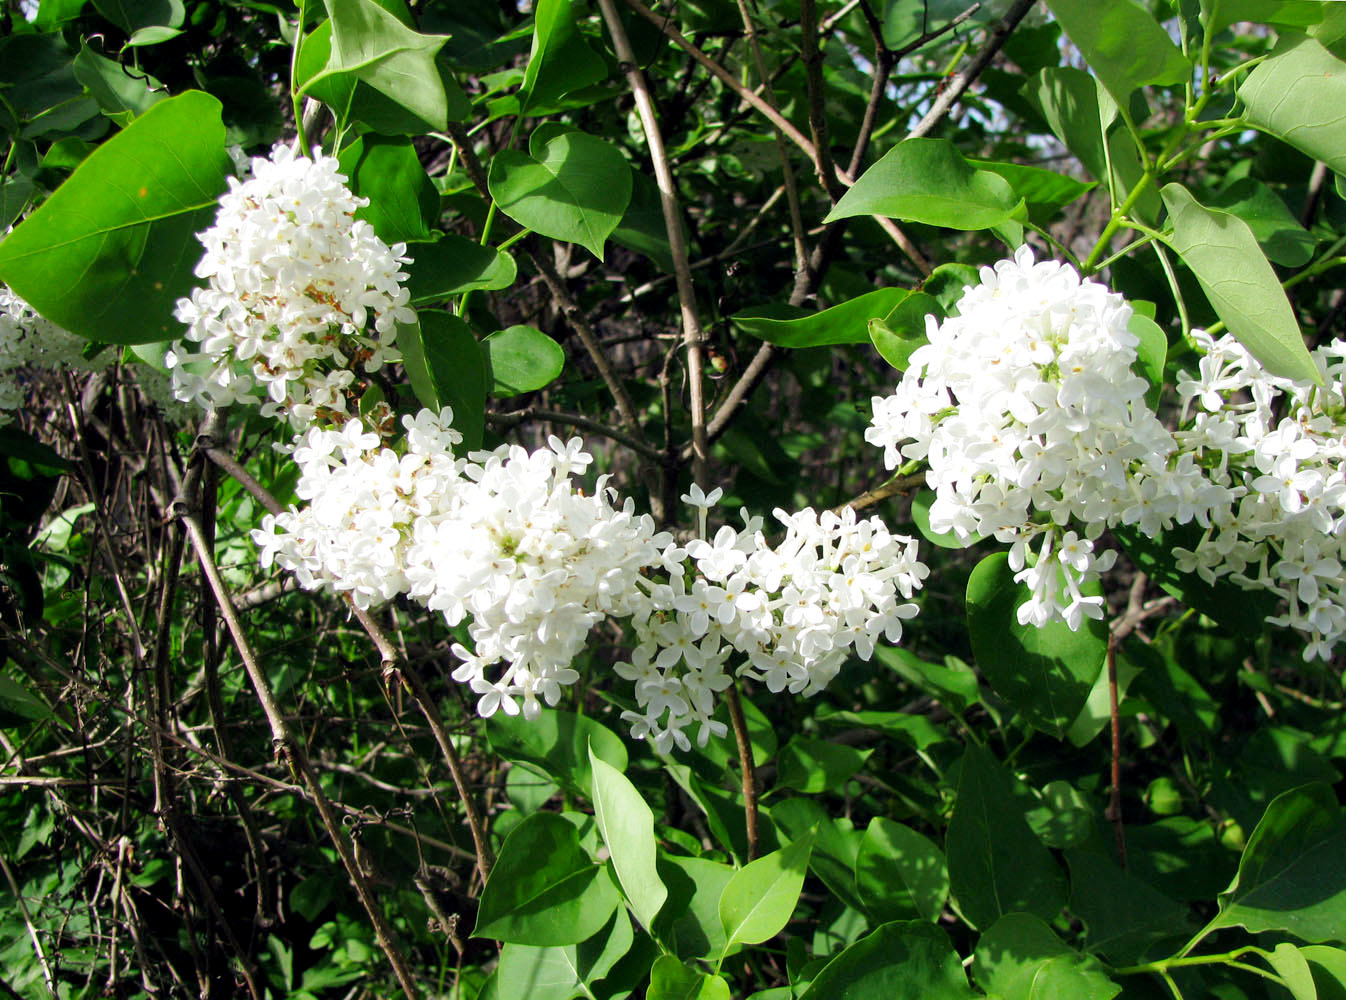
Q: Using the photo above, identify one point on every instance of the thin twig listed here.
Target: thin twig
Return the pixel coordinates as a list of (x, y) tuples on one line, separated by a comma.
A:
[(812, 58), (955, 88), (293, 750), (515, 417), (693, 337), (891, 488), (740, 727)]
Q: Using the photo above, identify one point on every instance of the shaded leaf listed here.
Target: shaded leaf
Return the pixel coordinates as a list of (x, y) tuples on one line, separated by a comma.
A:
[(1122, 913), (900, 874), (903, 330), (905, 960), (557, 743), (121, 95), (1045, 673), (812, 765), (671, 980), (996, 864), (690, 920), (452, 265), (1275, 228), (563, 971), (445, 367), (403, 203), (1122, 43), (560, 61), (1021, 958)]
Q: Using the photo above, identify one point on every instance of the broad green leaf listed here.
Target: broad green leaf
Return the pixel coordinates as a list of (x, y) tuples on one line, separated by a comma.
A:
[(953, 683), (371, 44), (905, 960), (1021, 958), (403, 203), (1122, 914), (120, 94), (154, 34), (1275, 228), (1299, 96), (947, 283), (812, 765), (1292, 876), (642, 228), (14, 195), (996, 863), (915, 731), (452, 265), (561, 61), (1044, 191), (847, 323), (903, 330), (563, 971), (1063, 818), (1220, 14), (920, 514), (20, 703), (760, 898), (928, 180), (544, 890), (132, 15), (836, 844), (1123, 44), (1291, 965), (1328, 966), (521, 359), (557, 743), (1241, 611), (444, 364), (689, 922), (900, 874), (1045, 673), (573, 187), (1223, 254), (108, 254), (1151, 353), (671, 980), (626, 825), (1096, 714), (42, 95), (1082, 114)]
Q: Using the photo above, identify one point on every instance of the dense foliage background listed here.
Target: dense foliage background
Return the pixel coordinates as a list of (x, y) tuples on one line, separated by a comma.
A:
[(949, 818)]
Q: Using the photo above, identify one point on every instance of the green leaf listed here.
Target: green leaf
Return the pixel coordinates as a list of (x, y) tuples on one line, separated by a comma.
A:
[(557, 743), (1096, 714), (671, 980), (900, 874), (836, 844), (1292, 875), (1223, 254), (1275, 228), (372, 45), (690, 920), (114, 247), (573, 187), (1065, 818), (812, 765), (1122, 914), (1220, 14), (1021, 958), (1046, 673), (15, 193), (642, 228), (1123, 44), (132, 15), (403, 202), (996, 863), (20, 703), (452, 265), (1242, 612), (444, 364), (521, 359), (903, 330), (1151, 353), (1291, 965), (920, 514), (846, 323), (544, 890), (953, 683), (915, 731), (626, 825), (561, 61), (1328, 966), (928, 180), (1044, 191), (760, 898), (1299, 96), (121, 95), (563, 971), (905, 960)]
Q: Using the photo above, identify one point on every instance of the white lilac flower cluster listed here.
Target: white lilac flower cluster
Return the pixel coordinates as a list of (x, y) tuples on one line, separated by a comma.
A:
[(1277, 445), (28, 340), (502, 536), (787, 615), (299, 294), (1036, 431)]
